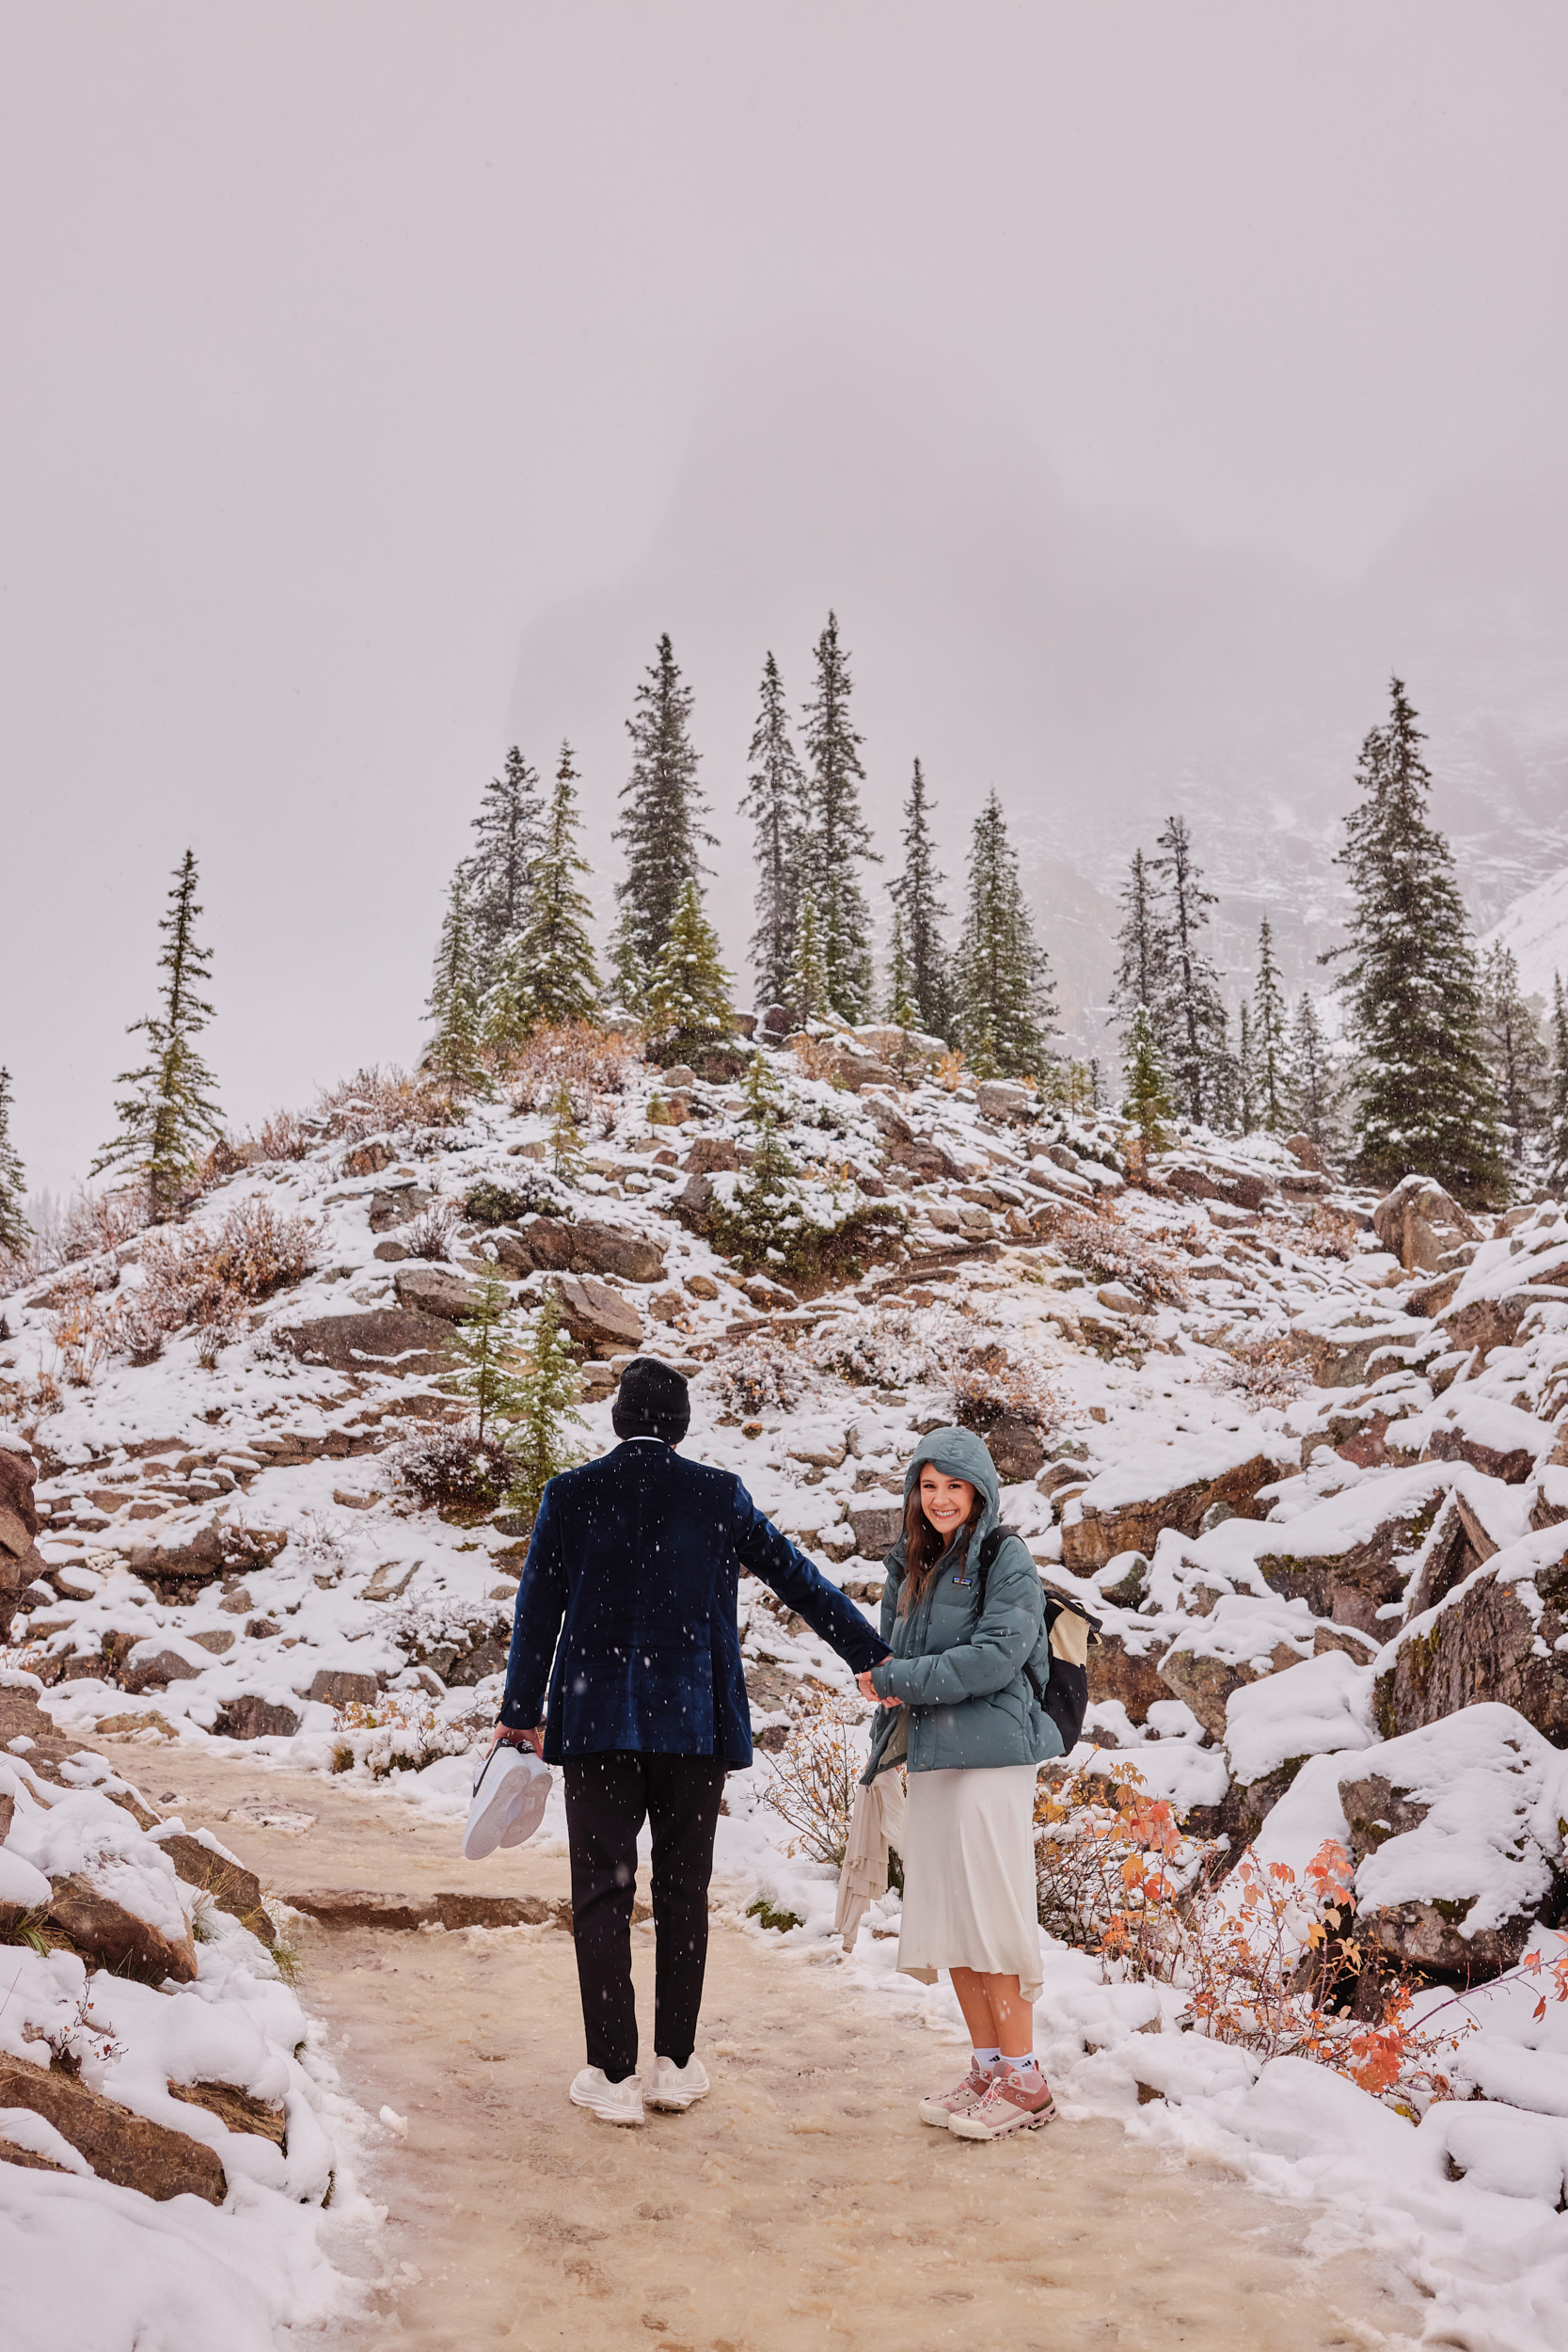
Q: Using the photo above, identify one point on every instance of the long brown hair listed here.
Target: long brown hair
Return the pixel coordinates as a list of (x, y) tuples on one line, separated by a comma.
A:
[(924, 1547)]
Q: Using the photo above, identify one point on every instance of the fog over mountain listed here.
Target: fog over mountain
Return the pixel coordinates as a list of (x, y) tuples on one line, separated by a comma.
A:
[(1100, 670)]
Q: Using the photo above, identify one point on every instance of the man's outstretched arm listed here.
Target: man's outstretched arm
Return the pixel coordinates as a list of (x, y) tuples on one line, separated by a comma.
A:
[(768, 1554)]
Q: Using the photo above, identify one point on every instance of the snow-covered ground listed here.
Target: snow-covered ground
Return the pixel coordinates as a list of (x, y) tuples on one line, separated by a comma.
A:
[(1280, 1469), (1536, 929)]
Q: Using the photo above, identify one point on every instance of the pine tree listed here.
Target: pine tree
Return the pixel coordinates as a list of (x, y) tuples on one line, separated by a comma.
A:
[(1424, 1099), (1316, 1084), (1195, 1022), (1557, 1108), (1271, 1041), (837, 838), (1147, 1097), (688, 989), (170, 1111), (1516, 1049), (917, 903), (774, 800), (546, 970), (1005, 995), (14, 1228), (662, 826), (1225, 1074), (452, 1055), (495, 875), (899, 1004), (548, 1395), (565, 1137), (1143, 950), (806, 992), (761, 1089), (1247, 1073), (490, 1368)]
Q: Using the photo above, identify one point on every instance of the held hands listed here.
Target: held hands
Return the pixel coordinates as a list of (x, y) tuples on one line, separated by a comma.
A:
[(504, 1738), (862, 1683)]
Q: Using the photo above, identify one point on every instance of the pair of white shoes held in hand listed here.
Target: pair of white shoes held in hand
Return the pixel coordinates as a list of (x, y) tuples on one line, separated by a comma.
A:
[(668, 2086)]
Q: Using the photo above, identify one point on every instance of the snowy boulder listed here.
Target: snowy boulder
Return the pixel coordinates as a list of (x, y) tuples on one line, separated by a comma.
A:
[(435, 1290), (877, 1520), (1002, 1099), (251, 1717), (1549, 1504), (1124, 1509), (1349, 1556), (1274, 1725), (111, 1935), (1457, 1835), (398, 1340), (117, 2146), (202, 1863), (1419, 1223), (1014, 1445), (1124, 1668), (597, 1317), (713, 1155), (19, 1518), (1347, 1347), (1240, 1641), (1467, 1426), (1501, 1634)]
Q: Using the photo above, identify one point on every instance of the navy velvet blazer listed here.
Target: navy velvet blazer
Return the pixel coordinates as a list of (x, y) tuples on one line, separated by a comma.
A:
[(630, 1587)]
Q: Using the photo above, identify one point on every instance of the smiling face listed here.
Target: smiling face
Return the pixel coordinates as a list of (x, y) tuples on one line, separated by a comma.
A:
[(947, 1501)]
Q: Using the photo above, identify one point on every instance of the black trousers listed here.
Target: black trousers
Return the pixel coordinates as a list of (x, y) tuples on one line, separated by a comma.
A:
[(608, 1798)]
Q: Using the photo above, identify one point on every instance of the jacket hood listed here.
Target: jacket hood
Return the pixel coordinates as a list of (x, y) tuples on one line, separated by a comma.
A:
[(960, 1454)]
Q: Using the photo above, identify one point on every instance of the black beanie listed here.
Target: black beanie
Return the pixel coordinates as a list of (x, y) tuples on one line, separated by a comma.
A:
[(653, 1400)]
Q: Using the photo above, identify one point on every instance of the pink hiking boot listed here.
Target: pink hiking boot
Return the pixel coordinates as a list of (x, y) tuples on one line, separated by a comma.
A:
[(1014, 2102), (963, 2101)]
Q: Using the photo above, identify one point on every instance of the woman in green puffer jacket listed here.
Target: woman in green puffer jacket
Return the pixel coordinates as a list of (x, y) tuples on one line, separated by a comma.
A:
[(957, 1709)]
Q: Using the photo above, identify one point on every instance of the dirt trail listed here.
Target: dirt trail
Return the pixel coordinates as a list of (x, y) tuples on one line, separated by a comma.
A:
[(801, 2204)]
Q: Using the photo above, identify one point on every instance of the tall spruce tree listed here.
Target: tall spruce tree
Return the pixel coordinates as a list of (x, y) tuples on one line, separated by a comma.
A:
[(14, 1228), (899, 1004), (169, 1112), (546, 970), (1515, 1050), (453, 1054), (1275, 1087), (688, 989), (1195, 1026), (1424, 1101), (774, 800), (837, 838), (919, 912), (1556, 1138), (496, 874), (1248, 1075), (662, 826), (1142, 950), (1005, 994), (1316, 1083)]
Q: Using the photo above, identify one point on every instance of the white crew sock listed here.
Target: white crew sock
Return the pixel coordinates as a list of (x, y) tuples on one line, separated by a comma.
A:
[(1024, 2065), (987, 2058)]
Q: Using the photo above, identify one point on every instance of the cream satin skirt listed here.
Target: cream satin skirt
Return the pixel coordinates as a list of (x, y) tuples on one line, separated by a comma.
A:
[(969, 1876)]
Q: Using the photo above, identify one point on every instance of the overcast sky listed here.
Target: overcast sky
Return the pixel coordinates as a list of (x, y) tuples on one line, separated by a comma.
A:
[(346, 344)]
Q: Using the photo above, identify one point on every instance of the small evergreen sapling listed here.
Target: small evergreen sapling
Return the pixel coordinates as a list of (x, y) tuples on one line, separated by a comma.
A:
[(489, 1378), (565, 1138), (774, 800), (1557, 1108), (453, 1054), (15, 1232), (807, 993), (687, 996), (547, 972), (1147, 1097), (899, 1004), (169, 1112), (546, 1396)]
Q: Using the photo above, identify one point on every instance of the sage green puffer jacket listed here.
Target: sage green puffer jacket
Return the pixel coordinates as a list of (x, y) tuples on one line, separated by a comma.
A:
[(967, 1701)]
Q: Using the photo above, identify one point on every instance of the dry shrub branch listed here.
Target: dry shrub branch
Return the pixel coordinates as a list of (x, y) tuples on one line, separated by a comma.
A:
[(1266, 1370), (1098, 1244), (812, 1785), (191, 1275), (590, 1062), (377, 1102)]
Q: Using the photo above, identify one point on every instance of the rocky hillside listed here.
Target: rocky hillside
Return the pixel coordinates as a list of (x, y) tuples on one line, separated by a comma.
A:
[(1304, 1454)]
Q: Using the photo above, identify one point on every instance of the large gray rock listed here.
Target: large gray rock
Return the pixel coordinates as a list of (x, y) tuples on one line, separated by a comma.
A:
[(121, 2147), (397, 1340), (1347, 1557), (250, 1717), (1419, 1222), (597, 1317), (229, 1885), (550, 1245), (19, 1518), (337, 1688), (1105, 1521), (1502, 1635), (878, 1521), (112, 1937), (434, 1291)]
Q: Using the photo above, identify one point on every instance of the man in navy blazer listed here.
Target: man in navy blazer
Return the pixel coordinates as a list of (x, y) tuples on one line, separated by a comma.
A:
[(630, 1593)]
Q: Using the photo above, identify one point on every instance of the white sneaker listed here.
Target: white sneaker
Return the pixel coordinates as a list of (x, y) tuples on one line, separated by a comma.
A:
[(676, 2086), (612, 2103)]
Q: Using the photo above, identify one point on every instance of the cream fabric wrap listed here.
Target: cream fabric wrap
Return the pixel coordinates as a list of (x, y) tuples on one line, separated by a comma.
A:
[(877, 1820)]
